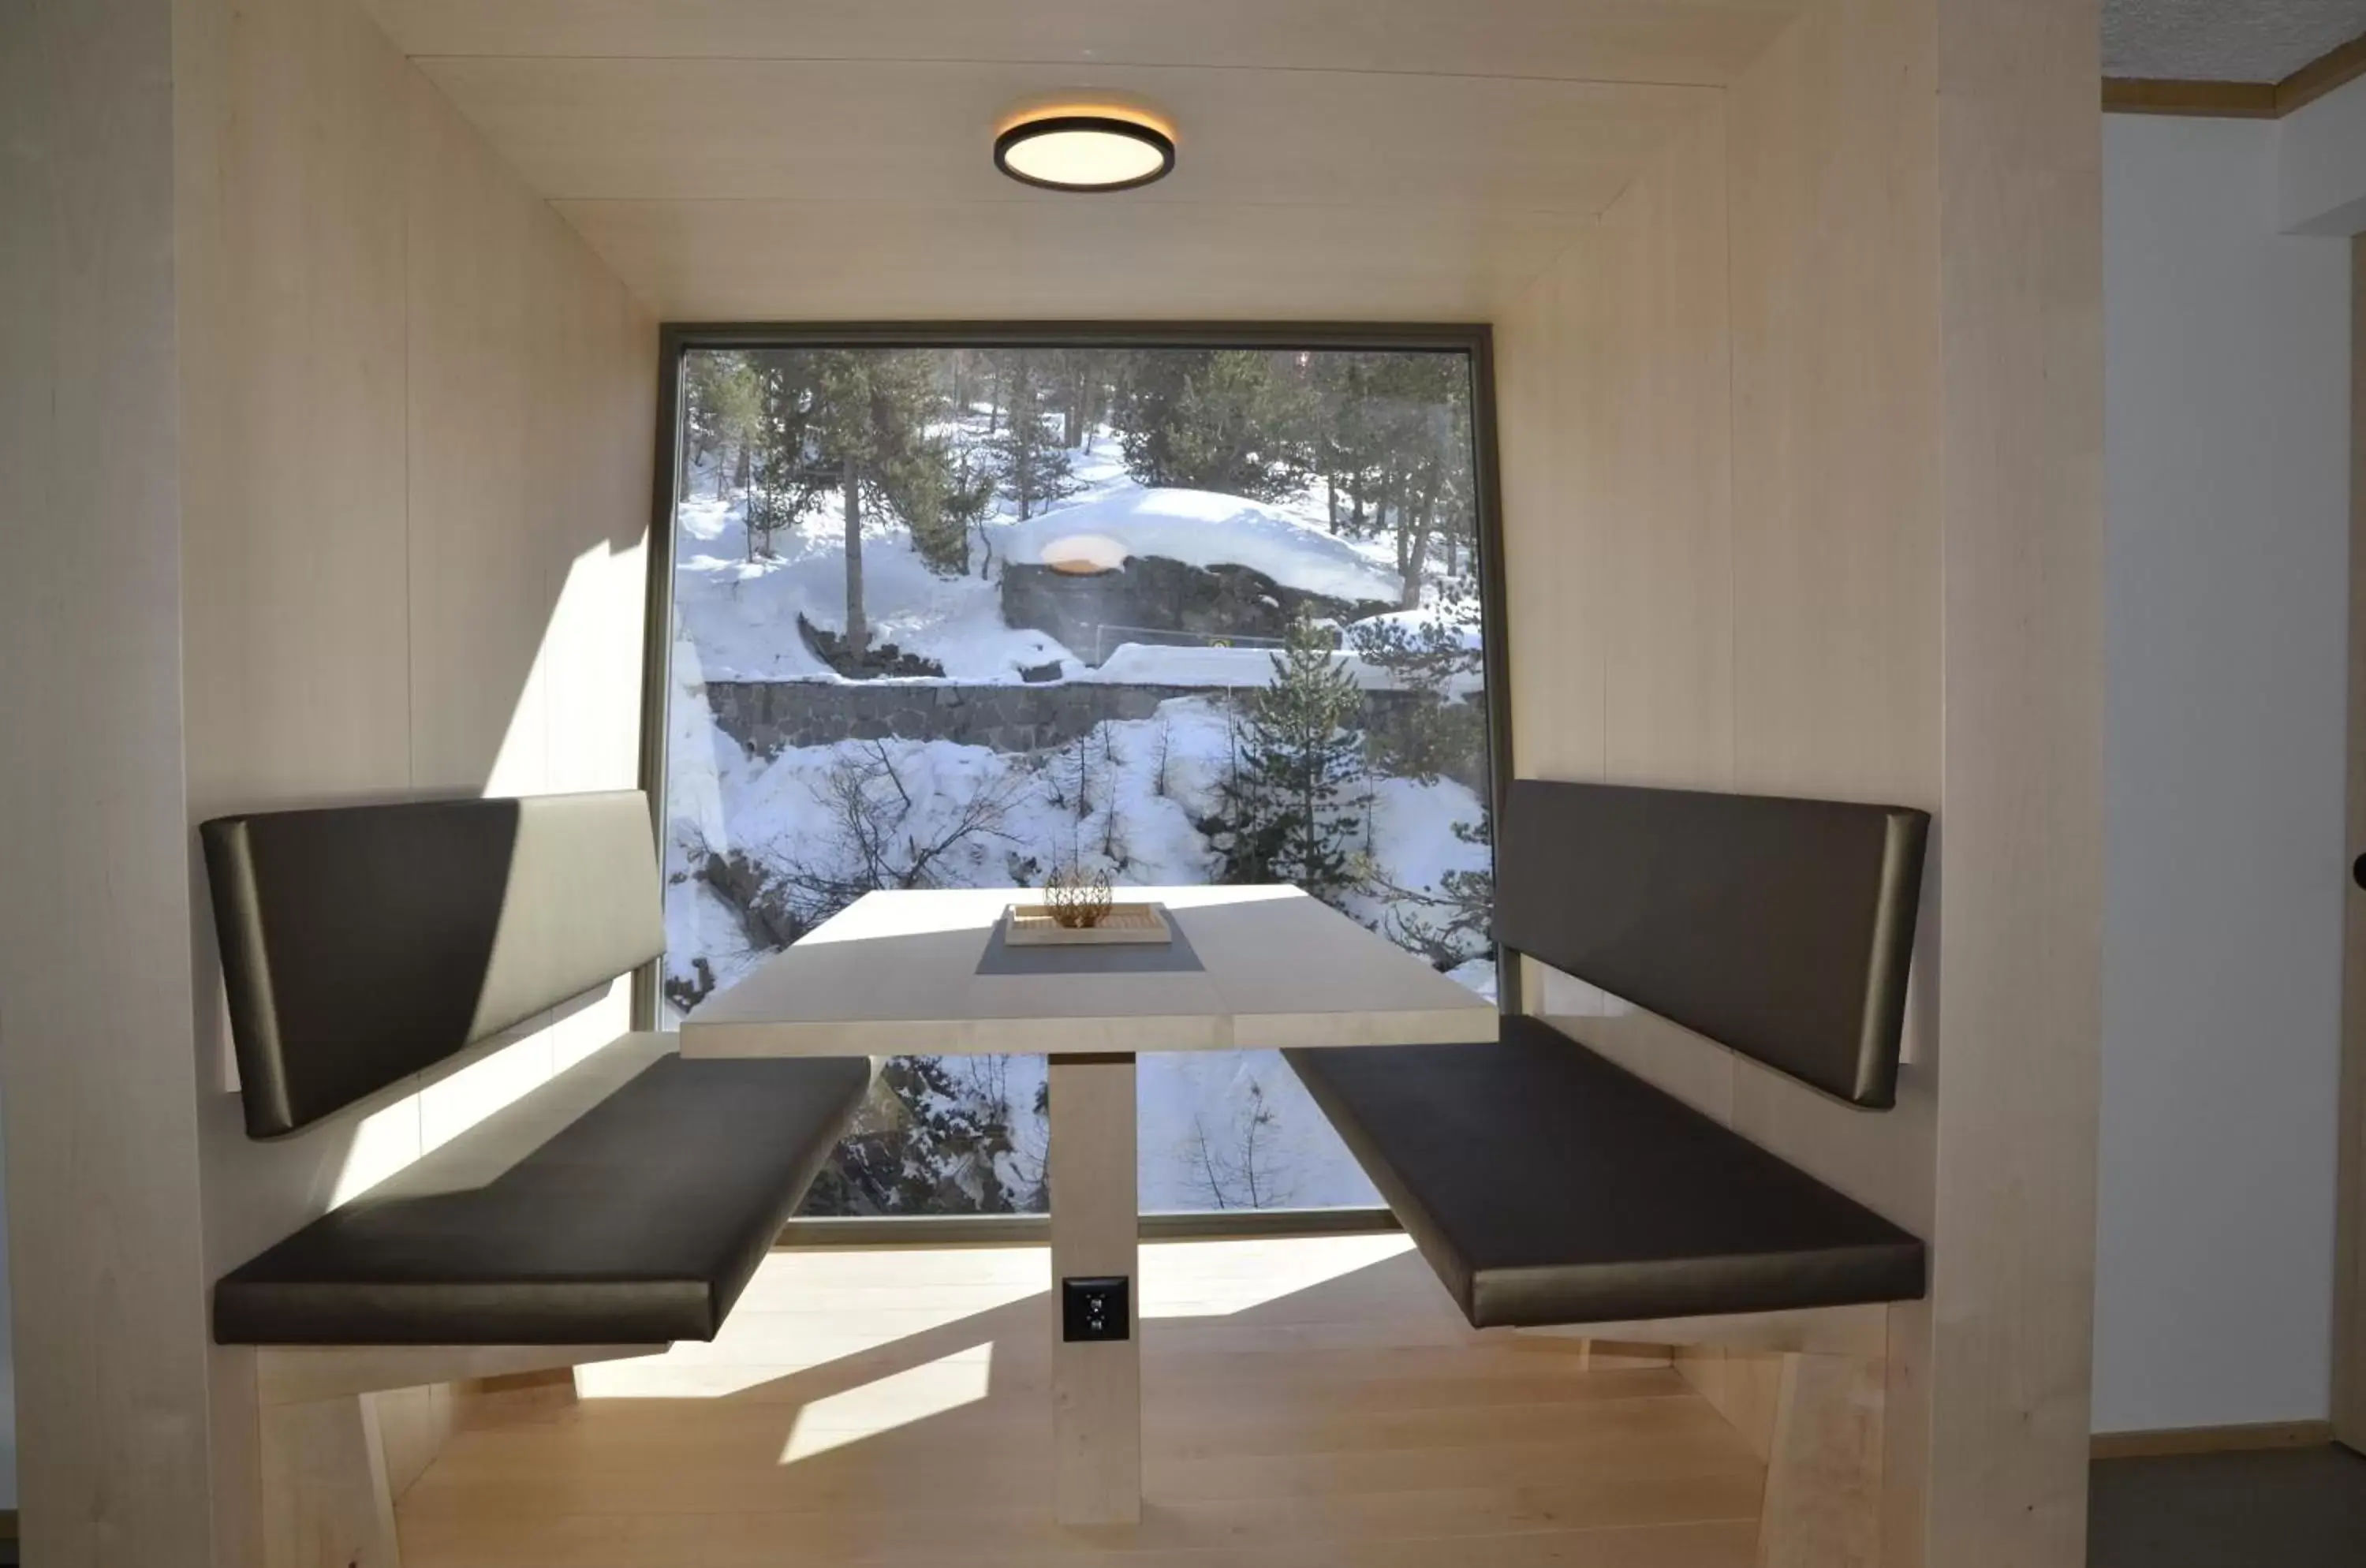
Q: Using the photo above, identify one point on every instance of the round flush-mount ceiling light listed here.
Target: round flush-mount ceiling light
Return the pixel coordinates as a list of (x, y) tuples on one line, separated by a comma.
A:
[(1084, 148)]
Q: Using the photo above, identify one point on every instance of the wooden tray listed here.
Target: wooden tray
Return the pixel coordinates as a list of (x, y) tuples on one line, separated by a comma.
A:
[(1032, 925)]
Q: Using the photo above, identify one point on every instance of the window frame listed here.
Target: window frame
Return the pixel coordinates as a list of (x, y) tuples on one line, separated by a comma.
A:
[(1475, 340)]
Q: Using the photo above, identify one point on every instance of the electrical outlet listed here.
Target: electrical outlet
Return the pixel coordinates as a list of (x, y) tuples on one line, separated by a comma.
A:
[(1098, 1308)]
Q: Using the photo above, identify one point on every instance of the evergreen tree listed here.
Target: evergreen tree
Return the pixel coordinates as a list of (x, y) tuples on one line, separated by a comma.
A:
[(720, 411), (1455, 923), (1416, 417), (940, 495), (1236, 421), (1348, 442), (778, 486), (1289, 808), (930, 1141), (855, 423), (1436, 661), (1030, 460)]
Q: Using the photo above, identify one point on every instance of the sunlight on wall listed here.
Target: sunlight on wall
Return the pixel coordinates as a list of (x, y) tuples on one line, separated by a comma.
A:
[(575, 725), (899, 1399)]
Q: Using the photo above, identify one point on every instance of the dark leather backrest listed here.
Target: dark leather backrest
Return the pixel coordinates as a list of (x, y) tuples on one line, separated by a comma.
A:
[(363, 944), (1780, 928)]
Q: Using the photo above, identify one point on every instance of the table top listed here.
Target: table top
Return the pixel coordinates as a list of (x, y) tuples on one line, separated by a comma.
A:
[(897, 973)]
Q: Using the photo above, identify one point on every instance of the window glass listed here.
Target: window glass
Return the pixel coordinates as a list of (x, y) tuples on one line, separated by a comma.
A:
[(973, 617)]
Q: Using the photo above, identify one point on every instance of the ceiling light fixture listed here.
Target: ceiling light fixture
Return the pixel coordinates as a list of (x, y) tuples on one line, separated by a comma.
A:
[(1094, 148)]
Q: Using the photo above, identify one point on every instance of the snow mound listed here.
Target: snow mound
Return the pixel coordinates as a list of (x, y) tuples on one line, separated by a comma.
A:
[(1202, 529), (740, 616)]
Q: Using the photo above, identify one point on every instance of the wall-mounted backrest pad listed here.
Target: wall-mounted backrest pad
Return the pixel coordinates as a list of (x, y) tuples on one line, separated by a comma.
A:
[(362, 944), (1780, 928)]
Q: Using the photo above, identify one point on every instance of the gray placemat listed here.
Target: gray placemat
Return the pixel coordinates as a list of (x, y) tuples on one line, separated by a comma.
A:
[(1118, 958)]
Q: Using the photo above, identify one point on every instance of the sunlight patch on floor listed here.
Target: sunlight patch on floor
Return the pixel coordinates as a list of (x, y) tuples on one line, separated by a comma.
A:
[(811, 1308), (1216, 1279), (884, 1403), (818, 1308)]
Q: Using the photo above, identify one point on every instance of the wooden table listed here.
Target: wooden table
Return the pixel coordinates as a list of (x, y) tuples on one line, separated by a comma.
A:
[(898, 974)]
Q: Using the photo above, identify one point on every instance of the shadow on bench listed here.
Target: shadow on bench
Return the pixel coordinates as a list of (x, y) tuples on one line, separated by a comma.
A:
[(1549, 1187), (621, 1206)]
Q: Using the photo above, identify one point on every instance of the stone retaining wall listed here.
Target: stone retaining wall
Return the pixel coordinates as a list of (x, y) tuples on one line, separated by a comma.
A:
[(767, 716)]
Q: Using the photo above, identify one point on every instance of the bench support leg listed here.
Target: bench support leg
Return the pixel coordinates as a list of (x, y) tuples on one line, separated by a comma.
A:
[(325, 1502), (1096, 1387), (1823, 1474)]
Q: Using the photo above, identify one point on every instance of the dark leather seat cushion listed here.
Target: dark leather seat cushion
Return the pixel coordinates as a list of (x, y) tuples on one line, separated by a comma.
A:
[(639, 1221), (1547, 1186)]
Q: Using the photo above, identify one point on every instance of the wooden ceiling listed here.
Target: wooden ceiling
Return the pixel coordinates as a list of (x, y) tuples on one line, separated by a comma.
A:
[(820, 159)]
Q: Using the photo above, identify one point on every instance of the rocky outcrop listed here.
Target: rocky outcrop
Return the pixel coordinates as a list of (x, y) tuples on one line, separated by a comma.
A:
[(1090, 614)]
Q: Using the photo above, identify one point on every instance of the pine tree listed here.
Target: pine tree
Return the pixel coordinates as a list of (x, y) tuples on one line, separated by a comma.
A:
[(930, 1142), (1454, 923), (1029, 459), (1288, 807), (1418, 408), (1236, 421), (1442, 728), (855, 423), (720, 410), (1348, 439), (778, 486)]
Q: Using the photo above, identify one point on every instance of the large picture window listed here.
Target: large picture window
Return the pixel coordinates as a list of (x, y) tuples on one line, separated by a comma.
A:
[(974, 613)]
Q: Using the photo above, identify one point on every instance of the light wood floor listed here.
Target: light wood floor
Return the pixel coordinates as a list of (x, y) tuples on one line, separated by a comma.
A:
[(1307, 1402)]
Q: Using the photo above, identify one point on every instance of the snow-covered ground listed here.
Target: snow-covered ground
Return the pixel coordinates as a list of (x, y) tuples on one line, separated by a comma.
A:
[(742, 614), (1124, 799)]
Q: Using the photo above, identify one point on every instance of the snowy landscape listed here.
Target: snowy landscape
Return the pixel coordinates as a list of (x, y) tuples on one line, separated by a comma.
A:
[(1055, 524)]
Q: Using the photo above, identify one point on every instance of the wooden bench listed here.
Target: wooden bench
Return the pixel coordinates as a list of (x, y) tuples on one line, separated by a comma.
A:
[(619, 1207), (1547, 1186)]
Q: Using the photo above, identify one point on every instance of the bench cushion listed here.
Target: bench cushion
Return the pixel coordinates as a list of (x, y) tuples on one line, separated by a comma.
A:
[(1547, 1186), (637, 1220)]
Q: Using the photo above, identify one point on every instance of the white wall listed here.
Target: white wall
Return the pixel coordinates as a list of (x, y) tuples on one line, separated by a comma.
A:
[(2321, 165), (2227, 479)]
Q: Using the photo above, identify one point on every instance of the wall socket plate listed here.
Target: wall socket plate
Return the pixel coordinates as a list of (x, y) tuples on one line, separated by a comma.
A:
[(1096, 1307)]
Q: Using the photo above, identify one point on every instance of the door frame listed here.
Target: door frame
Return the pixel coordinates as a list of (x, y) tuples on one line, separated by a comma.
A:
[(2350, 1258)]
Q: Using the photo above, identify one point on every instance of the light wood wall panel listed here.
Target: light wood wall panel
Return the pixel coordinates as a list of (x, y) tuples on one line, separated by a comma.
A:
[(295, 479), (1889, 593), (1835, 297), (2020, 184), (1711, 570), (105, 1264), (889, 260), (1746, 1387), (1664, 442), (475, 296), (1839, 635), (421, 421)]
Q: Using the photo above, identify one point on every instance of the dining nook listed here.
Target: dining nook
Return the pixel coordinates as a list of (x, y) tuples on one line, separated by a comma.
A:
[(938, 783)]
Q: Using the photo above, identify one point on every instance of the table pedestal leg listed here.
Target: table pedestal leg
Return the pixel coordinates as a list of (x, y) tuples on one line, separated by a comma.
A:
[(1095, 1385)]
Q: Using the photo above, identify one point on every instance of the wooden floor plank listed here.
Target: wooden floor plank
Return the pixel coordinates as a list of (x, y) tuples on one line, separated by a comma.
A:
[(1309, 1402)]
